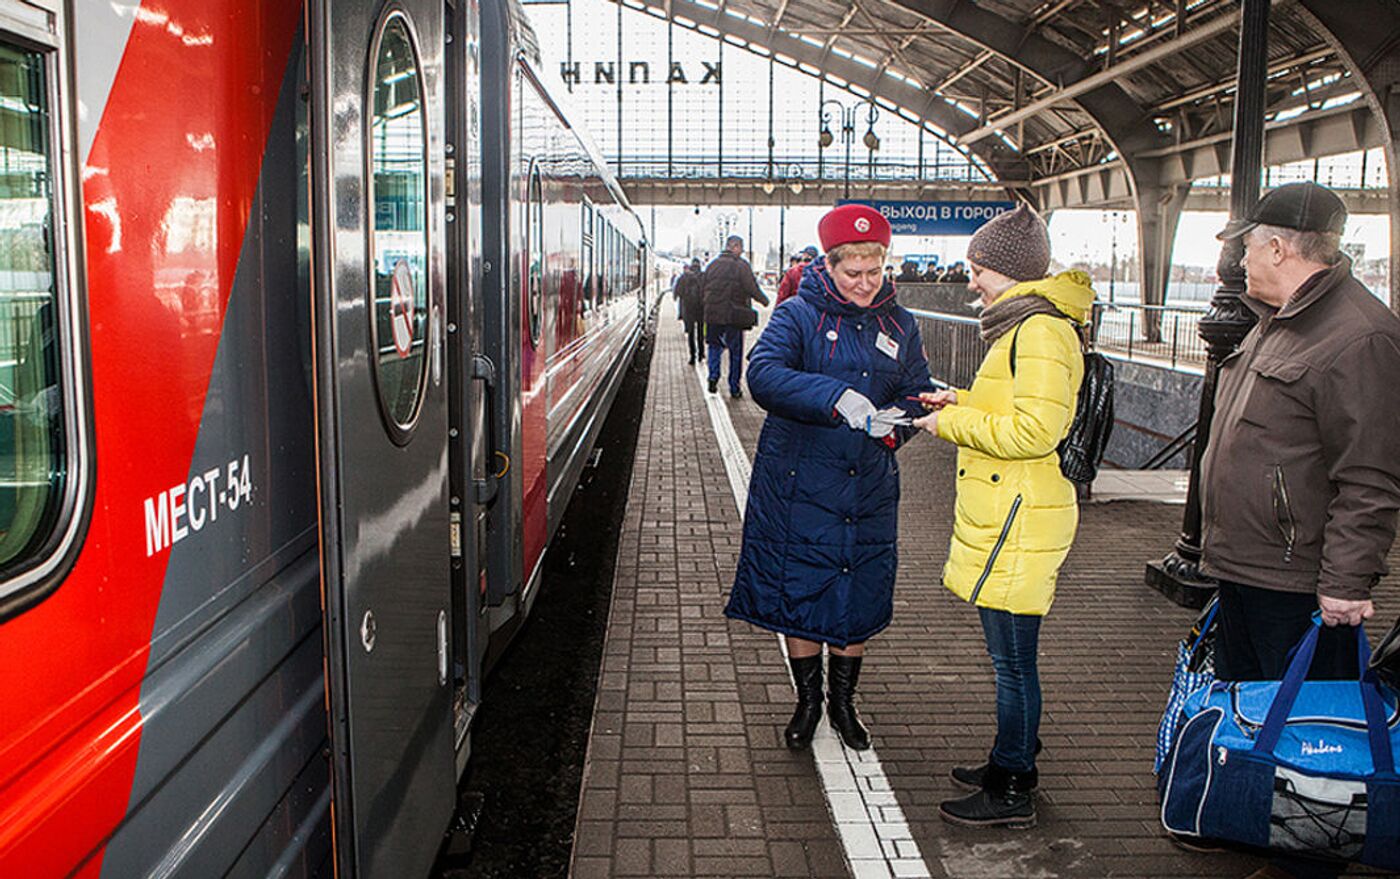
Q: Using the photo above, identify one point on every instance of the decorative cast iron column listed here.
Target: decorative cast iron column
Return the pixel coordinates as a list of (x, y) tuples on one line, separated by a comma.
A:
[(1178, 576)]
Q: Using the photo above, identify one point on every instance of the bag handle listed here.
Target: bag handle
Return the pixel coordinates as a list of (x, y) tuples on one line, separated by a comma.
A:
[(1205, 628), (1382, 759)]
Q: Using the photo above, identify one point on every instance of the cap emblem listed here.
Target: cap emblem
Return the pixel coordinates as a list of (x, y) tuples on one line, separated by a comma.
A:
[(862, 225)]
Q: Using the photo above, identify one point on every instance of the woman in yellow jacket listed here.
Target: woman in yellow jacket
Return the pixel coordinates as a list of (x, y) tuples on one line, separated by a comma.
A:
[(1016, 513)]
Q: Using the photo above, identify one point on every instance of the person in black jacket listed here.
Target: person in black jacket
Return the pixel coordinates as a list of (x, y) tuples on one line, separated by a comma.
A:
[(691, 294), (729, 286)]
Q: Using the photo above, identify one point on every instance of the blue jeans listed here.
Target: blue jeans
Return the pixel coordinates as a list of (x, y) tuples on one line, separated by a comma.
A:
[(1012, 641), (719, 337)]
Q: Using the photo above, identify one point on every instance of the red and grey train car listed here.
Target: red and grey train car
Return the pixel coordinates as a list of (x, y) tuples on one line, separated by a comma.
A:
[(309, 316)]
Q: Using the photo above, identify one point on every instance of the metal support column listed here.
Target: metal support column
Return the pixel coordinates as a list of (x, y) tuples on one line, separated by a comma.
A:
[(719, 117), (749, 240), (1178, 576), (782, 234), (670, 101), (619, 90), (769, 176)]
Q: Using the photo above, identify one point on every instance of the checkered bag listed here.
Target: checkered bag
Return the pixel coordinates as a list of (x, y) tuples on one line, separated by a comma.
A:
[(1195, 668)]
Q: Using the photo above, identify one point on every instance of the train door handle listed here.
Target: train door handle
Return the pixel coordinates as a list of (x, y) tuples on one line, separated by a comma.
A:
[(484, 371), (436, 339)]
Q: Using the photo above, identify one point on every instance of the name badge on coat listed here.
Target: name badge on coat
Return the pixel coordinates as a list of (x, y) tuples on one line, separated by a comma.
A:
[(887, 346)]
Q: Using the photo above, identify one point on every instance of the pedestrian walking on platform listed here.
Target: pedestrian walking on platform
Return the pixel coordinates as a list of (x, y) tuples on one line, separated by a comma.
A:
[(691, 296), (792, 278), (1016, 512), (1300, 481), (729, 286), (835, 369)]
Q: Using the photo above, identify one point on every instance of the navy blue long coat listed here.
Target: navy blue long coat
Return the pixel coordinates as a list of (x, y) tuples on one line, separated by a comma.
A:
[(818, 558)]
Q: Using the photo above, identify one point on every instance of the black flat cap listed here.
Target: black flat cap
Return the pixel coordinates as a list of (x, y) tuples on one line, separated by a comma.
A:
[(1305, 206)]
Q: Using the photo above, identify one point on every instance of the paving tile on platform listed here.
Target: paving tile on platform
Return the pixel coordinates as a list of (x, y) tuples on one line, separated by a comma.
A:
[(687, 773)]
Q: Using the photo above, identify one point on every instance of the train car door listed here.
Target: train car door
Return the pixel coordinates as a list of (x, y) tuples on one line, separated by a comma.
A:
[(382, 421)]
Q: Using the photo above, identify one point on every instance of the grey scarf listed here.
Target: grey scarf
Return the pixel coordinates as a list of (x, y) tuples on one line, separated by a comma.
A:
[(1001, 317)]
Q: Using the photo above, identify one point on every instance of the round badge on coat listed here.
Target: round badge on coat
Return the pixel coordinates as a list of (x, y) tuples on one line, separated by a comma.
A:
[(862, 225), (831, 335)]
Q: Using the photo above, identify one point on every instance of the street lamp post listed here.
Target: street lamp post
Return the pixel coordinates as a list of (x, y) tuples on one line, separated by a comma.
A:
[(847, 116), (1179, 575), (1113, 258)]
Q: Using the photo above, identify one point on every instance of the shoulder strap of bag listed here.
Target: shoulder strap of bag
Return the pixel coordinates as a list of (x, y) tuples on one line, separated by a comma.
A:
[(1084, 346)]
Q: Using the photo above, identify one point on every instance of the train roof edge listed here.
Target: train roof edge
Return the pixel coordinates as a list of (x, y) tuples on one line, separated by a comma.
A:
[(527, 49)]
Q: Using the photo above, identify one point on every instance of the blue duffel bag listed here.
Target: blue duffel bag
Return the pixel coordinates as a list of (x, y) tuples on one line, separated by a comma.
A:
[(1306, 767)]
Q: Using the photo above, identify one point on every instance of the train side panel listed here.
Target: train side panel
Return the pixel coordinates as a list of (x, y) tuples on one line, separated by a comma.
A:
[(166, 704), (575, 337), (169, 691)]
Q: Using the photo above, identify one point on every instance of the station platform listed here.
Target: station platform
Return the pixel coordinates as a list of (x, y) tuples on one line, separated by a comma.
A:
[(687, 774)]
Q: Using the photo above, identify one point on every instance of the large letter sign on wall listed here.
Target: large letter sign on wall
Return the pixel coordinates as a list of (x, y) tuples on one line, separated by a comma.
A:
[(936, 217)]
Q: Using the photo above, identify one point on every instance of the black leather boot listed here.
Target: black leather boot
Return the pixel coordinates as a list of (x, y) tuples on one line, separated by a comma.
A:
[(972, 777), (843, 672), (1005, 800), (807, 673)]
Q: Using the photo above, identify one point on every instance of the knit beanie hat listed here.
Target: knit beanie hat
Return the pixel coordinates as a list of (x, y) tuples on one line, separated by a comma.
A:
[(1015, 244)]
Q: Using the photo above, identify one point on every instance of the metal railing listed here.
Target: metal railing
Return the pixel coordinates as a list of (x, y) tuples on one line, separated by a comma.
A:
[(1182, 443), (953, 346), (1161, 335), (782, 172), (1167, 335)]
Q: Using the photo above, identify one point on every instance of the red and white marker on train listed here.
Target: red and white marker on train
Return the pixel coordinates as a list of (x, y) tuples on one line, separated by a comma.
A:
[(401, 308)]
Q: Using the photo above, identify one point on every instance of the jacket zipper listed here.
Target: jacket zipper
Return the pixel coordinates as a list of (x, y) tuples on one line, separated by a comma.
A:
[(996, 550), (1283, 514)]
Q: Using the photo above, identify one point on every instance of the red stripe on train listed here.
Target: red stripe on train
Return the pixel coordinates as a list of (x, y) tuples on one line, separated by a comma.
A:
[(167, 190)]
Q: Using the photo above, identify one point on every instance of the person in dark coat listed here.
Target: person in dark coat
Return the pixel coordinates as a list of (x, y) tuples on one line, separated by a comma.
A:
[(690, 292), (835, 369), (729, 286)]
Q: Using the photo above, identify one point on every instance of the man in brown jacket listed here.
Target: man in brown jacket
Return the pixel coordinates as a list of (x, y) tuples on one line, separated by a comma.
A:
[(1301, 476)]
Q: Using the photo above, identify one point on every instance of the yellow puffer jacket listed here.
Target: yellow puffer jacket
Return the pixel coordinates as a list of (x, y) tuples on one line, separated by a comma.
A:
[(1016, 514)]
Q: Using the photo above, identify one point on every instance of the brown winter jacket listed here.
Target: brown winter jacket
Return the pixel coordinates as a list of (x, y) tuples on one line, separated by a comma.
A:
[(1300, 482), (729, 286)]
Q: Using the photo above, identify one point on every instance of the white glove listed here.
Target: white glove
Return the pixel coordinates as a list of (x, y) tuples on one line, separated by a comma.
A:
[(857, 409), (883, 423)]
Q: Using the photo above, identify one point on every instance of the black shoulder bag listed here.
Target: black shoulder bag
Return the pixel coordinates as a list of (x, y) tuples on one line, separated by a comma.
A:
[(1081, 451)]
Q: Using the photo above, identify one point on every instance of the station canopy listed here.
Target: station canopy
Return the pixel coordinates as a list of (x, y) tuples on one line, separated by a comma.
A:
[(1043, 90)]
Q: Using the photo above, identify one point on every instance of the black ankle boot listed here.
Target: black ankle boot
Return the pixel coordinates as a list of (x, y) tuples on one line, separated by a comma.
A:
[(973, 777), (807, 673), (843, 673), (1005, 800)]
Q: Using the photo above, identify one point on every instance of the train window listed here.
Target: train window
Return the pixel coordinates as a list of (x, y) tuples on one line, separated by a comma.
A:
[(586, 260), (43, 414), (604, 260), (534, 255), (398, 155)]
